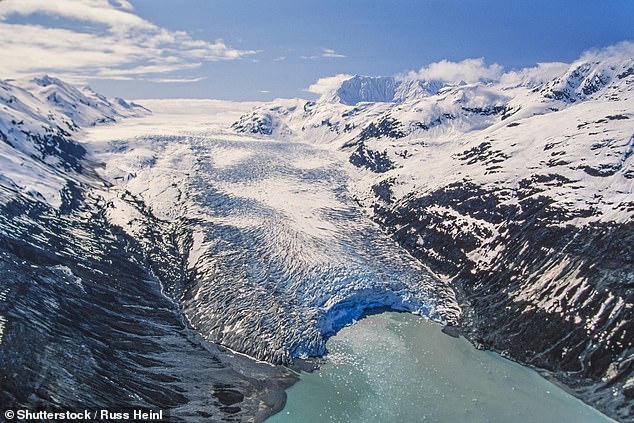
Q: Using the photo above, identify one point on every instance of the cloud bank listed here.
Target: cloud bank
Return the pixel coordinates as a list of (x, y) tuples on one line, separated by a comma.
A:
[(622, 50), (477, 70), (538, 74), (96, 39), (468, 70), (328, 84)]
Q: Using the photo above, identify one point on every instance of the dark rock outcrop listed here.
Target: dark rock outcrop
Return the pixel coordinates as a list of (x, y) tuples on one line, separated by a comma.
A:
[(534, 286)]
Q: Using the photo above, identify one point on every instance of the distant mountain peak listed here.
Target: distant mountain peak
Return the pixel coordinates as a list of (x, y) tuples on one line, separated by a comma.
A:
[(37, 123), (46, 80), (381, 89), (360, 89)]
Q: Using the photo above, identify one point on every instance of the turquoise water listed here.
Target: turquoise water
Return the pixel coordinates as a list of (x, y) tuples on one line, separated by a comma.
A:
[(397, 367)]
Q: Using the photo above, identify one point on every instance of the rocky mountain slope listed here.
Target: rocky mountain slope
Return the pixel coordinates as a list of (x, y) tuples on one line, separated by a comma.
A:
[(38, 119), (519, 191), (85, 322)]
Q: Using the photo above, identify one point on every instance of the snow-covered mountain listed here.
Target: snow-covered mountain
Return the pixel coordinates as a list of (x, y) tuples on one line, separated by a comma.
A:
[(84, 319), (38, 120), (519, 191)]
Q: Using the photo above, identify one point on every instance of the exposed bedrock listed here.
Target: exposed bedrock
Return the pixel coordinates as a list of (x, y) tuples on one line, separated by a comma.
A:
[(535, 287), (85, 325)]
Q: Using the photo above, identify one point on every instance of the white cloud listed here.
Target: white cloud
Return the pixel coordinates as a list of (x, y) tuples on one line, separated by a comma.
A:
[(622, 50), (328, 52), (328, 84), (474, 70), (176, 80), (106, 41), (124, 4), (96, 11), (536, 75), (325, 53), (544, 72), (468, 70)]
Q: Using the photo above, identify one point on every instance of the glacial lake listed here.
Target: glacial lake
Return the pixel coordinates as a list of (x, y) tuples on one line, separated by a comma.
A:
[(398, 367)]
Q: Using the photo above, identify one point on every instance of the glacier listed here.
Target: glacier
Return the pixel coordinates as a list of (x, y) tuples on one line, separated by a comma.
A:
[(84, 318), (279, 253)]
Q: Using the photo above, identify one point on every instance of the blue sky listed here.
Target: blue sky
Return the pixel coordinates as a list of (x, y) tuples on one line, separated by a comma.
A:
[(258, 50)]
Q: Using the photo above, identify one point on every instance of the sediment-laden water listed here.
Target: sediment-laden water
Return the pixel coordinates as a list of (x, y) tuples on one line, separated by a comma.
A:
[(399, 367)]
